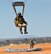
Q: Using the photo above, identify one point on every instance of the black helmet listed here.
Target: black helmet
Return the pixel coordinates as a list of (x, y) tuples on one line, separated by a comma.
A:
[(19, 14)]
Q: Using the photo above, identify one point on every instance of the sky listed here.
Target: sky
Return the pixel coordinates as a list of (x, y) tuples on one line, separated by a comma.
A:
[(37, 13)]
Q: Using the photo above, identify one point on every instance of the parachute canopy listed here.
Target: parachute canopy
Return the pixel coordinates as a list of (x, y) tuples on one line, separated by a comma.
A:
[(18, 4)]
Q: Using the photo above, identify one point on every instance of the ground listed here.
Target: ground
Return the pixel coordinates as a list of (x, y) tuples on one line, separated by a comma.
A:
[(46, 48)]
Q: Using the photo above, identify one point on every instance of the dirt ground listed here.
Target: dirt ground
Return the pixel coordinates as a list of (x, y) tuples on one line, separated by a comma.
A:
[(46, 48)]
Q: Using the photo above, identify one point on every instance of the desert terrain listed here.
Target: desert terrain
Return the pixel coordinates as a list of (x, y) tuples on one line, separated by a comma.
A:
[(45, 45), (46, 48)]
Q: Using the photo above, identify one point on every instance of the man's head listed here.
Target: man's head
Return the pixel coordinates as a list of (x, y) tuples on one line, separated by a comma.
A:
[(19, 13)]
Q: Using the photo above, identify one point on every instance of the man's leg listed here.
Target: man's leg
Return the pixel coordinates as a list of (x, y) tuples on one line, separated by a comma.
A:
[(21, 30), (20, 27), (25, 30), (31, 46)]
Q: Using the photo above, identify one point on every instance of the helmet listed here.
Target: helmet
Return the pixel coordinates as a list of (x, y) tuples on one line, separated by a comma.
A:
[(19, 13)]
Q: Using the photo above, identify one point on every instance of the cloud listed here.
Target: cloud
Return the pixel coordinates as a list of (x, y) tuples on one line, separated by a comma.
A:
[(20, 0)]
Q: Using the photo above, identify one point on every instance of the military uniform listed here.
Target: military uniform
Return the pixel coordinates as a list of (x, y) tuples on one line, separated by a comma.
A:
[(31, 44), (20, 22)]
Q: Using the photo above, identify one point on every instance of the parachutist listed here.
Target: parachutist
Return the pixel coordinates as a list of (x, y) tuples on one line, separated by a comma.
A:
[(19, 20), (31, 44)]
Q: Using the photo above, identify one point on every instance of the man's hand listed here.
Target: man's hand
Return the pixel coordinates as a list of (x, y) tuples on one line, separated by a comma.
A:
[(26, 23)]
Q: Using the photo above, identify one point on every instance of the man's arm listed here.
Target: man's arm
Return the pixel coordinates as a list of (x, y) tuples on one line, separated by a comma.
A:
[(24, 21), (16, 21)]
